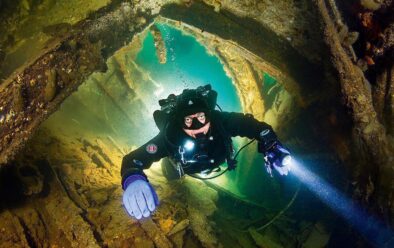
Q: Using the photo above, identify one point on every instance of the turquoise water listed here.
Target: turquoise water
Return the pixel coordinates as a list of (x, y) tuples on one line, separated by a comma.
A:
[(188, 66)]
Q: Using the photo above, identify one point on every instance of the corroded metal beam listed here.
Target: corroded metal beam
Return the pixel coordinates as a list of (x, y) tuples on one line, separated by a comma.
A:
[(35, 90), (368, 131)]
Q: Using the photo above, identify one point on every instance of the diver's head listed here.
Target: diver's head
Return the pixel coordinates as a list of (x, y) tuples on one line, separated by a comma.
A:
[(194, 121), (193, 113), (196, 124)]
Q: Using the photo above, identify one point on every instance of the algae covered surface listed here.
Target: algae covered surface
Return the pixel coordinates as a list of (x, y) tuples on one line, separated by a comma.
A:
[(74, 193), (28, 25), (120, 57)]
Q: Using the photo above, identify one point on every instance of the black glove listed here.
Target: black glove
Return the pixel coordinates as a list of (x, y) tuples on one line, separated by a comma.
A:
[(275, 154), (267, 139)]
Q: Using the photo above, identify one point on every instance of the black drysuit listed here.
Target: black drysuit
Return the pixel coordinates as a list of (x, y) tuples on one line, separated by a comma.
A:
[(223, 126)]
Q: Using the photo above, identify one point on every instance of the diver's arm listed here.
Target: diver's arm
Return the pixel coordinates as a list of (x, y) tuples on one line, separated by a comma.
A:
[(139, 197), (276, 155), (245, 125), (143, 157)]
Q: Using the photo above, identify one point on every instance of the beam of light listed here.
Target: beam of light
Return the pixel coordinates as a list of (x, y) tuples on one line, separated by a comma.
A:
[(369, 227)]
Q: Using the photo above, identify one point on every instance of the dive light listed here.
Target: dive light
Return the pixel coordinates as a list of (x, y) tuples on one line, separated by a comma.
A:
[(189, 145), (277, 156)]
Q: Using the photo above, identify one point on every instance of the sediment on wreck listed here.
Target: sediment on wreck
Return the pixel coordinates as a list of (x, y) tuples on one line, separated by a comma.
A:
[(370, 141), (85, 181), (83, 173)]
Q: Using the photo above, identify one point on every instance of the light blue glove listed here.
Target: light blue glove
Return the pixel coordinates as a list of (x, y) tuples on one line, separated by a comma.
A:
[(139, 197)]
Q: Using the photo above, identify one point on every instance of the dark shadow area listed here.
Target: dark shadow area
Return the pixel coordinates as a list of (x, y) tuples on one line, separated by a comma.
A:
[(19, 182), (11, 190)]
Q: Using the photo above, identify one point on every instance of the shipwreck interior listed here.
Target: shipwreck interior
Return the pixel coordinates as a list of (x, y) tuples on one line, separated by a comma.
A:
[(80, 80)]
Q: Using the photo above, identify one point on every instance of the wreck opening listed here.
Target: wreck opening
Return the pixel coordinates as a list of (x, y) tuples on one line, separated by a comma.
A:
[(68, 173), (111, 114), (117, 106)]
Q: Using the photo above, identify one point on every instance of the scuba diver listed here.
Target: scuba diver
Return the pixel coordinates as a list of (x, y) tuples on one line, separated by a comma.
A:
[(194, 138)]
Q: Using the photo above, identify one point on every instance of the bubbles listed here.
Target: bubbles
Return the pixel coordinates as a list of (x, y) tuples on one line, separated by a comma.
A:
[(169, 40)]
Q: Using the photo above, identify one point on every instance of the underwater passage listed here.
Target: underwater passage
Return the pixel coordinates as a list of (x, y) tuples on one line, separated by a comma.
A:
[(194, 124)]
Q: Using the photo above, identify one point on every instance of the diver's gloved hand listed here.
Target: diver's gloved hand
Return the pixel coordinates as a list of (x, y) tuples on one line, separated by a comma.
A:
[(139, 197), (278, 157)]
